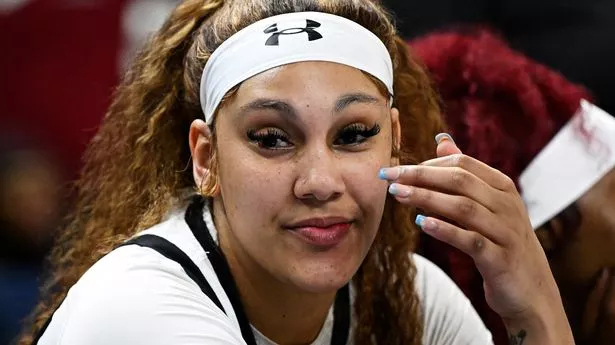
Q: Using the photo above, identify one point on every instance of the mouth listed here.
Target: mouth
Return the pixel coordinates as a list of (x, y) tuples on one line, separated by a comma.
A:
[(321, 232)]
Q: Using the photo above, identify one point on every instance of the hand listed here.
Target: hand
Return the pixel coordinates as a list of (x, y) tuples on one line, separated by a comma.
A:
[(598, 324), (479, 211)]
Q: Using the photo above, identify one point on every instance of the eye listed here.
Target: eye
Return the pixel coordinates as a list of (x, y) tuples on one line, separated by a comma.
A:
[(269, 138), (356, 133)]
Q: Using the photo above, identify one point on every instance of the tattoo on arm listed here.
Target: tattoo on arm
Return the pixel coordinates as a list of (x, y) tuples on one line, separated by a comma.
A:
[(517, 339)]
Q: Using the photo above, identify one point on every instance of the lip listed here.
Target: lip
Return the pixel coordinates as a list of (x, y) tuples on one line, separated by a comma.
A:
[(322, 231), (319, 222)]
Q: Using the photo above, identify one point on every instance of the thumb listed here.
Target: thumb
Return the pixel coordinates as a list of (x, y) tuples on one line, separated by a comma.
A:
[(446, 145)]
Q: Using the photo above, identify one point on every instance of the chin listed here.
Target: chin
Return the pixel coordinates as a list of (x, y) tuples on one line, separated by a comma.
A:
[(323, 270), (321, 284), (323, 277)]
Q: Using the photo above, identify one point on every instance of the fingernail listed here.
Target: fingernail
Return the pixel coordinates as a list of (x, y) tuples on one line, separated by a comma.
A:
[(420, 220), (426, 224), (389, 173), (382, 174), (399, 190), (444, 136)]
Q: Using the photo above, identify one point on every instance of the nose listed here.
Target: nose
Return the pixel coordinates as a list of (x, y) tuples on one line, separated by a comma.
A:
[(320, 176)]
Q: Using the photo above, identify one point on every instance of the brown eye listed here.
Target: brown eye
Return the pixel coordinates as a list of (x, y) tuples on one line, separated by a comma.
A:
[(269, 138), (355, 134)]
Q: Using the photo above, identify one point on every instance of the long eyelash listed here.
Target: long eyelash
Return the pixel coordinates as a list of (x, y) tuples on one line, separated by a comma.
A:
[(255, 135), (361, 129)]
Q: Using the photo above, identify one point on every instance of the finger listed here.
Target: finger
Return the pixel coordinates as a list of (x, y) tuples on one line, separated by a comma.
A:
[(593, 305), (459, 209), (483, 251), (446, 145), (491, 176), (444, 179)]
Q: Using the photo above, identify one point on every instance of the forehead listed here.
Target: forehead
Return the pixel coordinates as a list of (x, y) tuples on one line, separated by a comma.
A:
[(602, 192), (318, 81)]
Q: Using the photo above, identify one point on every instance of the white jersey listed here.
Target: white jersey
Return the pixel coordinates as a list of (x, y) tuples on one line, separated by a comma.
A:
[(134, 295)]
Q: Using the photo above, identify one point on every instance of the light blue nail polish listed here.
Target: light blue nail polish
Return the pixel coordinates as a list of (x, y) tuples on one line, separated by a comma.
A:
[(382, 174), (393, 189), (420, 220), (399, 190), (444, 136)]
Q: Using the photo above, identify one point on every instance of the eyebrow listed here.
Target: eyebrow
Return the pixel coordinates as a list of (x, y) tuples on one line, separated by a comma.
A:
[(269, 104), (287, 109), (351, 98)]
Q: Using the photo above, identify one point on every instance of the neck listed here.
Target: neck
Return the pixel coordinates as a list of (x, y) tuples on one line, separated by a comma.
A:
[(280, 311)]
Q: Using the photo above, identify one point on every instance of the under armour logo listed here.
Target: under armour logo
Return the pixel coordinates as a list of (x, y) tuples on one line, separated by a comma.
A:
[(310, 25)]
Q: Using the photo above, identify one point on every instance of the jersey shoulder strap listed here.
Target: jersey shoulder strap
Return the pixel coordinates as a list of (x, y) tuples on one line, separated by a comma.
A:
[(169, 250)]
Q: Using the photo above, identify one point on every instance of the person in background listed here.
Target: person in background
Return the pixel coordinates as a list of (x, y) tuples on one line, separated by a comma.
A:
[(519, 116), (29, 212)]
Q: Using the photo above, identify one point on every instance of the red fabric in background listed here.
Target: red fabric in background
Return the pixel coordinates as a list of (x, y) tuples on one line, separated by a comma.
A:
[(58, 67)]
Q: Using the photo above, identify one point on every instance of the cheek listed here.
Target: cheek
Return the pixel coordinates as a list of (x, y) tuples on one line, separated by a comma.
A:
[(598, 220), (253, 187), (364, 186), (591, 246)]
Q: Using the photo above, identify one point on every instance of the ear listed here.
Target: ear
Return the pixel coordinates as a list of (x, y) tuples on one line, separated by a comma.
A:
[(200, 149), (396, 134), (551, 235)]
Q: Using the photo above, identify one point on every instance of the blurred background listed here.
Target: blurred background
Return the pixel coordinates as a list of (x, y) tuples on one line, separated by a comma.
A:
[(60, 61)]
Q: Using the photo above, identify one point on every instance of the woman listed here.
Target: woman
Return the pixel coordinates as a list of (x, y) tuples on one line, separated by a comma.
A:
[(519, 116), (290, 113)]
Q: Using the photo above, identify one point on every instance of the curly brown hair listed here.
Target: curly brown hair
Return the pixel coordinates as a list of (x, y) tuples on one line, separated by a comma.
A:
[(138, 164)]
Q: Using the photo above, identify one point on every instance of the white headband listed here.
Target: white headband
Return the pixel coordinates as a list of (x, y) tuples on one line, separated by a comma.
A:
[(289, 38), (581, 153)]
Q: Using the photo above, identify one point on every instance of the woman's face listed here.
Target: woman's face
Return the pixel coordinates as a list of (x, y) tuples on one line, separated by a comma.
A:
[(299, 149), (593, 244)]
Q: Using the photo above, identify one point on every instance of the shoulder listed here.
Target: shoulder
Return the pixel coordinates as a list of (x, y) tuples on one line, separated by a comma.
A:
[(448, 314), (134, 295)]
